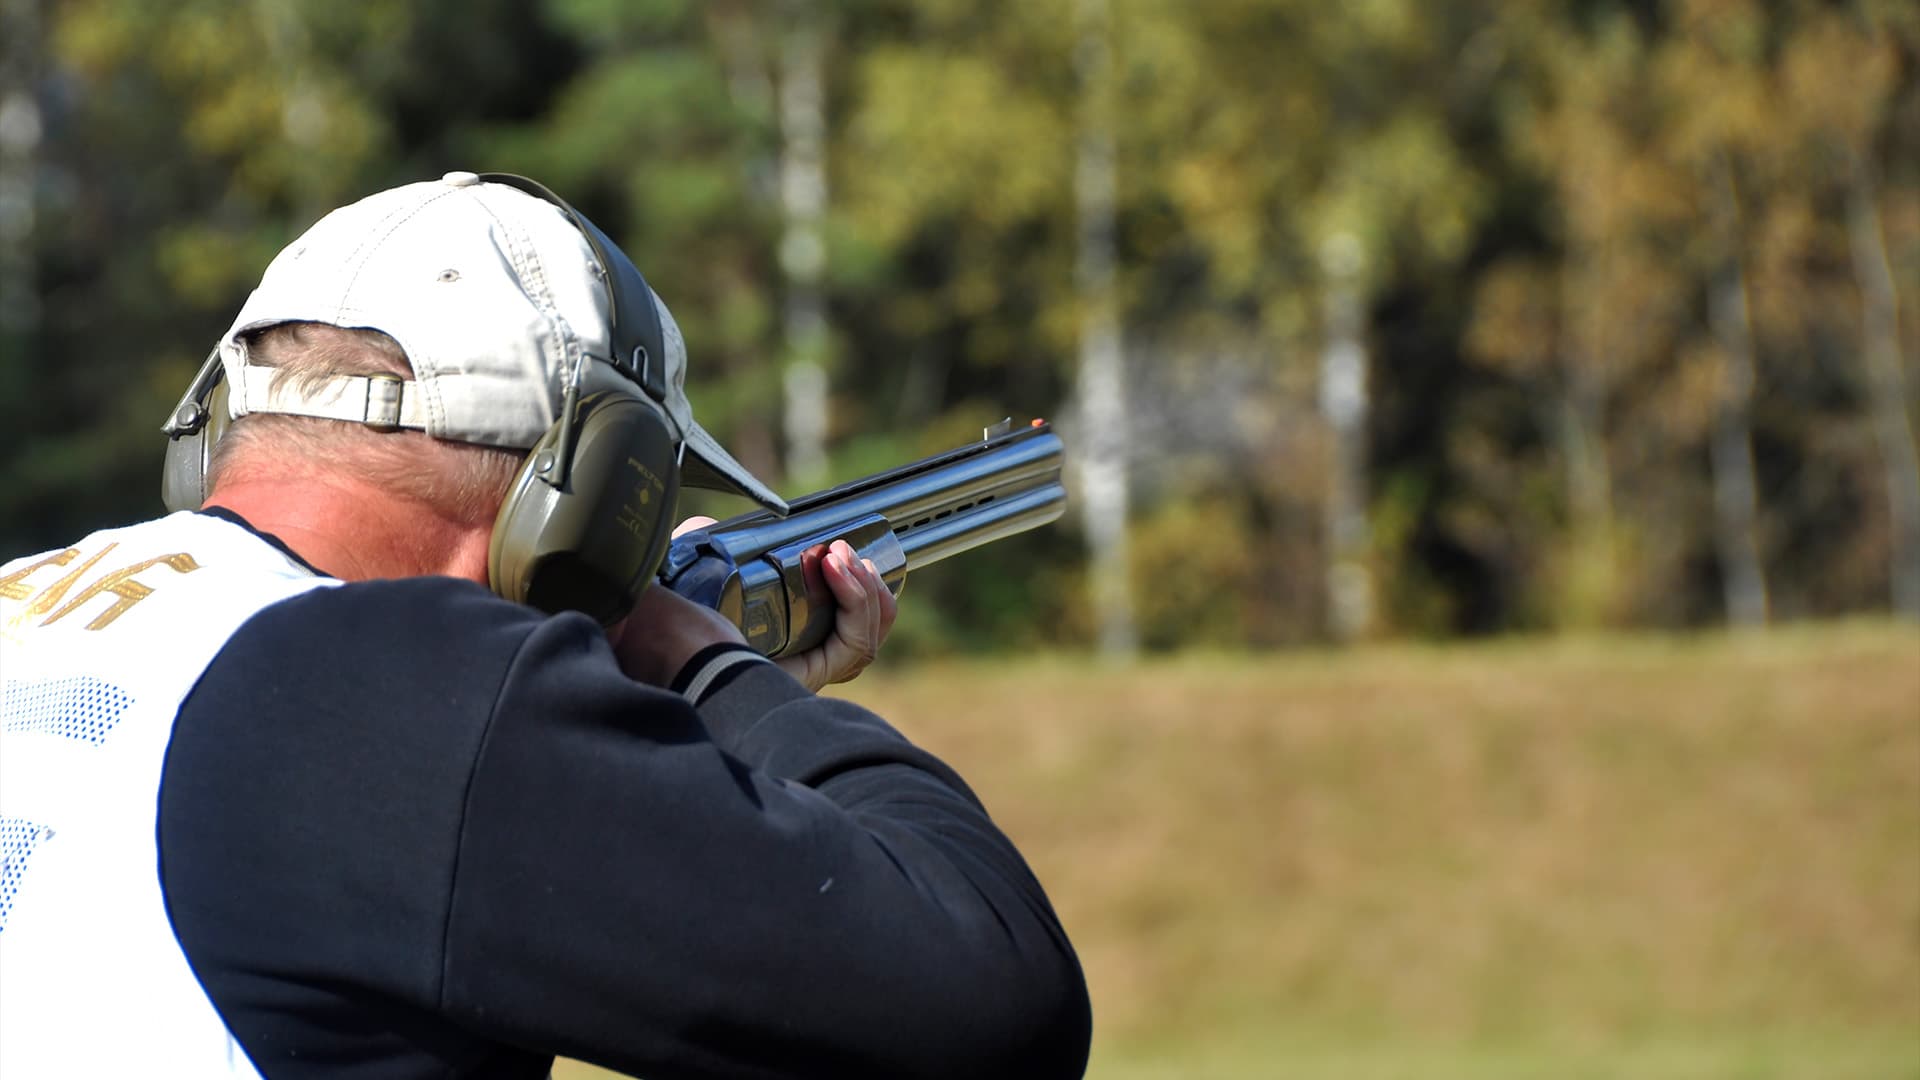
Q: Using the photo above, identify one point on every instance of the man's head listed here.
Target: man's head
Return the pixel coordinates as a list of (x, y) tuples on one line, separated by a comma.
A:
[(423, 323)]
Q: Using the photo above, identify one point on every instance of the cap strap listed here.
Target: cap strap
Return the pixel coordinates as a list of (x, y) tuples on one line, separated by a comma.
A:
[(378, 401)]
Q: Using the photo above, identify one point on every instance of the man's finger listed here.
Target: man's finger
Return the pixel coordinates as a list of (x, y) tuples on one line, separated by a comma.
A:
[(692, 523), (889, 604), (849, 591)]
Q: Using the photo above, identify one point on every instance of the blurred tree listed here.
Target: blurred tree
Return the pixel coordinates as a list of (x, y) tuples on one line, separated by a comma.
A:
[(1838, 429), (183, 144), (1711, 74), (1615, 290), (953, 245), (21, 130), (1614, 321), (1304, 185), (1893, 423), (1861, 136), (1102, 387), (803, 253), (1343, 408)]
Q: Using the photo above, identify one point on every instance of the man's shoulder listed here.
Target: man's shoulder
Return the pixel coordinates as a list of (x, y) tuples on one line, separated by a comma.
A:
[(439, 638), (440, 608), (315, 794)]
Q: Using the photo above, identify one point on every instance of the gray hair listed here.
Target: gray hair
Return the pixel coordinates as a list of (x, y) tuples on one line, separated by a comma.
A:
[(462, 481)]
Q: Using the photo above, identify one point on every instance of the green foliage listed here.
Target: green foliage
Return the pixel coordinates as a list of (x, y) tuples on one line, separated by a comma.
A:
[(1196, 573), (1534, 200)]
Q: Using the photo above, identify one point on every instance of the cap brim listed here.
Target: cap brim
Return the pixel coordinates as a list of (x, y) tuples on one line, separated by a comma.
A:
[(708, 465)]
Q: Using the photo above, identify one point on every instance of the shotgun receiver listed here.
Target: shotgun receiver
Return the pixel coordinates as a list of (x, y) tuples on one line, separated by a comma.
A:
[(749, 568)]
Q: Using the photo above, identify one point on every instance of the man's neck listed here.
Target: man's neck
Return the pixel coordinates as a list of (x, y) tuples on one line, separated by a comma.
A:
[(356, 532)]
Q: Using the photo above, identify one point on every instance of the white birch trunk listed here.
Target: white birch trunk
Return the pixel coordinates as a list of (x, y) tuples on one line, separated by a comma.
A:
[(1589, 590), (1344, 406), (1743, 582), (1886, 388), (803, 253), (1102, 386)]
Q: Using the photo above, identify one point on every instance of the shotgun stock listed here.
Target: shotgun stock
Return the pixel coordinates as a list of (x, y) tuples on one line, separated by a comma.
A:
[(749, 568)]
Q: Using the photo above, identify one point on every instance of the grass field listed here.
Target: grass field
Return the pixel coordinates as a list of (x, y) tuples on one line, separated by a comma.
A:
[(1637, 857)]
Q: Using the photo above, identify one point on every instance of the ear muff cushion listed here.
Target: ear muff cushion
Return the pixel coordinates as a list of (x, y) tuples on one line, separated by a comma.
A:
[(593, 546)]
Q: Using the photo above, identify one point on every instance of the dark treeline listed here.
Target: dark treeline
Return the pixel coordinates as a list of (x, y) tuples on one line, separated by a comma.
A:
[(1431, 319)]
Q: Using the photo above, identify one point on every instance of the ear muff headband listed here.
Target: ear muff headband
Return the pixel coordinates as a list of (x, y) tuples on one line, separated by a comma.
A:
[(638, 350)]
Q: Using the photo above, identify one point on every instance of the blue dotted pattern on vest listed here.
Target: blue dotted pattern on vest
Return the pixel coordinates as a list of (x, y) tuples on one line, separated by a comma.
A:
[(18, 838), (81, 707)]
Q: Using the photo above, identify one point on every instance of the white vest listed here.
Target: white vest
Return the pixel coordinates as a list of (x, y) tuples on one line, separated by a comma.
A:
[(99, 643)]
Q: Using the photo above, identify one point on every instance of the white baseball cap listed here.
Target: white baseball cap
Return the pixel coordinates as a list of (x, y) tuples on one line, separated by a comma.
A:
[(500, 294)]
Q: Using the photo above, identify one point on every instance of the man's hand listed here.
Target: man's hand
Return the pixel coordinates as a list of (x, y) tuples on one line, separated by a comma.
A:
[(662, 632), (864, 612), (665, 630)]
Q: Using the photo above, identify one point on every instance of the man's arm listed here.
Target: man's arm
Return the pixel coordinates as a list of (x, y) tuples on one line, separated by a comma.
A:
[(780, 884)]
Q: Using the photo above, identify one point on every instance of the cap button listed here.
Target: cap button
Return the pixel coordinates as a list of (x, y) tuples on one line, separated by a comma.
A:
[(460, 179)]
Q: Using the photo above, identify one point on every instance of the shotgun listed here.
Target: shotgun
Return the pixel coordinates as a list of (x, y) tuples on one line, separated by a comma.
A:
[(749, 568)]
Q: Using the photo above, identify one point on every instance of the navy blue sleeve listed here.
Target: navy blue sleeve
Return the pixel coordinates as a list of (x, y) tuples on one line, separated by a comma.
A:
[(513, 851)]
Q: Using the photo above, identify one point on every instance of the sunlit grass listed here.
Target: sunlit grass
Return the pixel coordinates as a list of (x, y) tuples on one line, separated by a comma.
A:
[(1634, 857)]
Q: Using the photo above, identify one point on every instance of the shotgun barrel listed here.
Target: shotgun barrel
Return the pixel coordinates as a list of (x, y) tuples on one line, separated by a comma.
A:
[(750, 568)]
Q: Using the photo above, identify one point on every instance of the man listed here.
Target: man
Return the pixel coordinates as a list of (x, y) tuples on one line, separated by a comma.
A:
[(287, 789)]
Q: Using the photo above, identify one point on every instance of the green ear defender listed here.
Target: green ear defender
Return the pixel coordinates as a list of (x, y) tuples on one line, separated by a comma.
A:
[(587, 535)]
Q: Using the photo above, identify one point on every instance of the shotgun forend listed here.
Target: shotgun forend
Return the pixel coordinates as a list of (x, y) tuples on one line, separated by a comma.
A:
[(749, 568)]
